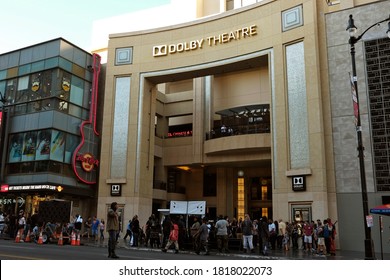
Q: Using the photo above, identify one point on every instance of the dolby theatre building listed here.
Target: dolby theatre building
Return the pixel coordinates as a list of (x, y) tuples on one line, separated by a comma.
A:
[(235, 109)]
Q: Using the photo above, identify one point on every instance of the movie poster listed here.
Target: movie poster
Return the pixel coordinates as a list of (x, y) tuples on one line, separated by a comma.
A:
[(29, 144), (43, 145), (15, 149), (57, 145)]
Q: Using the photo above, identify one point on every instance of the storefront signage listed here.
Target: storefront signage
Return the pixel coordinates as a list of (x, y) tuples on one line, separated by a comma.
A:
[(32, 187), (298, 183), (116, 190), (88, 161), (19, 200), (84, 161), (220, 39)]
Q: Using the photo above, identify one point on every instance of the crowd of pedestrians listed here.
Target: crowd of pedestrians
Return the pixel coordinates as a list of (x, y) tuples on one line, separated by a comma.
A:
[(258, 235), (196, 232)]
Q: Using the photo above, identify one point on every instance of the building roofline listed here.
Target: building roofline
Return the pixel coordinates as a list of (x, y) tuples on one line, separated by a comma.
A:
[(46, 42)]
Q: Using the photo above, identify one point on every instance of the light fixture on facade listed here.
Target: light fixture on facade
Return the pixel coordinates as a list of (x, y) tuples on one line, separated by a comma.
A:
[(185, 168), (332, 2), (240, 195)]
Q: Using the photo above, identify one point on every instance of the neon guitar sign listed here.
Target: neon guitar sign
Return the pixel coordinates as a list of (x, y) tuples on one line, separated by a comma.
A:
[(84, 162)]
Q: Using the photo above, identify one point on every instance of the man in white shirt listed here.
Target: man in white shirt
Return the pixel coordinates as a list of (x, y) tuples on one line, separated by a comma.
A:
[(222, 234), (282, 231)]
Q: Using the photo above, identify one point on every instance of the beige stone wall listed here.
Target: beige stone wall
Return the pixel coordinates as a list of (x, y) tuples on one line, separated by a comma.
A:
[(245, 71)]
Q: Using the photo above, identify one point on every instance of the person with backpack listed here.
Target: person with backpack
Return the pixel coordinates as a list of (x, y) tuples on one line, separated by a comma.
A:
[(320, 238), (327, 236), (128, 233), (173, 237), (135, 229), (247, 234), (332, 249), (112, 228), (264, 235)]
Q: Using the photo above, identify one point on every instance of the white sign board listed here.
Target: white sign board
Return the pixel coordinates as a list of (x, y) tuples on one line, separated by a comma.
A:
[(188, 207), (196, 207), (178, 207)]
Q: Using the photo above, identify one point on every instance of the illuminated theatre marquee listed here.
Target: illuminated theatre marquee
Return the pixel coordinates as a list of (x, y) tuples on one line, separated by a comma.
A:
[(224, 38)]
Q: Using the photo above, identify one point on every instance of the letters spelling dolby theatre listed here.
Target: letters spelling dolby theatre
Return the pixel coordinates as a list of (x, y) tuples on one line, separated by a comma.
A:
[(245, 32)]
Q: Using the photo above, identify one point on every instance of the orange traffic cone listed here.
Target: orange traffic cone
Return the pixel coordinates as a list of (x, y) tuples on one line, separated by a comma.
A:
[(28, 237), (17, 239), (78, 239), (40, 239), (73, 242), (60, 241)]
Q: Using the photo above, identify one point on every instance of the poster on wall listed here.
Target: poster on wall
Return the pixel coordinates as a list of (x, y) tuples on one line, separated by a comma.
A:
[(29, 144), (43, 145), (16, 144), (57, 145)]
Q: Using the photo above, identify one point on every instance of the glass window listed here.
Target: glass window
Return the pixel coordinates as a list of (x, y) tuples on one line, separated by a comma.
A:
[(51, 63), (76, 91), (24, 69), (2, 87), (15, 147), (64, 88), (43, 145), (65, 64), (22, 92), (46, 83), (3, 74), (76, 111), (10, 90), (34, 106), (63, 106), (27, 167), (71, 143), (13, 168), (57, 145), (67, 170), (29, 145), (38, 66), (42, 166), (55, 167), (36, 86), (20, 109)]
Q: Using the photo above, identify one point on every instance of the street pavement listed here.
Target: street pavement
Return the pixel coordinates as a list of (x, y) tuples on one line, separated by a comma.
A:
[(273, 254)]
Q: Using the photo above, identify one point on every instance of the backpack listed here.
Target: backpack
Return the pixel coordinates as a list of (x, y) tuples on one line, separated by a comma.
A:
[(326, 231)]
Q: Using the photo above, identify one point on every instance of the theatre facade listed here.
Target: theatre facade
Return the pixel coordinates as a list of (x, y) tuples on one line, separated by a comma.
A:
[(243, 110), (227, 109)]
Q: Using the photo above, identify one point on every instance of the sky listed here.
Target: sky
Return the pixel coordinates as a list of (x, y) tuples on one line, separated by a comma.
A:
[(27, 22)]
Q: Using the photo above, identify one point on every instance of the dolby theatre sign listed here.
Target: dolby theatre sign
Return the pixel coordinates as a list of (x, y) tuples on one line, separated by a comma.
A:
[(220, 39)]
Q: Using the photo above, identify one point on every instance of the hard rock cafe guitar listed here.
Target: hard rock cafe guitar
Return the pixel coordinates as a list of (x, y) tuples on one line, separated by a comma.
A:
[(84, 159)]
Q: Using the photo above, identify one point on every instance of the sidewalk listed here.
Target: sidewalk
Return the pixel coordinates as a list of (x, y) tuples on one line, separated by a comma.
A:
[(273, 254)]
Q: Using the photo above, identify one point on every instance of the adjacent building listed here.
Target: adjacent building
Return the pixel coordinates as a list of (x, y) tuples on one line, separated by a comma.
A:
[(49, 135)]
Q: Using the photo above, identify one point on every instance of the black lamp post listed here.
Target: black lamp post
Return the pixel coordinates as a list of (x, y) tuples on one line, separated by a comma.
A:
[(368, 243)]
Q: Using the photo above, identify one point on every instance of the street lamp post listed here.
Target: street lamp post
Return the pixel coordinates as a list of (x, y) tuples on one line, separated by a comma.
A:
[(368, 243)]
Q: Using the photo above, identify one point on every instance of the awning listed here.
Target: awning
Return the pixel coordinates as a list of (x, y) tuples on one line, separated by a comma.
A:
[(381, 210)]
